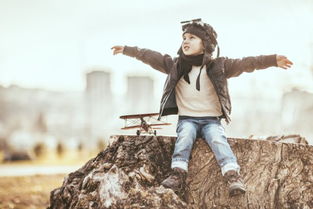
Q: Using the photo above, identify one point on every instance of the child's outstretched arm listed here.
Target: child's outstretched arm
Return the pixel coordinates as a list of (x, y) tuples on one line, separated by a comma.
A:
[(156, 60), (234, 67), (117, 50), (283, 62)]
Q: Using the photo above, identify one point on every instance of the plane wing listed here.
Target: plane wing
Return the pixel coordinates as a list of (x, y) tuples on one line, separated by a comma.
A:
[(138, 116)]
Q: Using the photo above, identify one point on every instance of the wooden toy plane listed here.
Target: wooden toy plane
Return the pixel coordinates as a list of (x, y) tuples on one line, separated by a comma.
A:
[(146, 123)]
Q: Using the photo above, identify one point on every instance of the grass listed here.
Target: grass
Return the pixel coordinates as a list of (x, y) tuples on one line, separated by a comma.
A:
[(29, 192), (33, 192)]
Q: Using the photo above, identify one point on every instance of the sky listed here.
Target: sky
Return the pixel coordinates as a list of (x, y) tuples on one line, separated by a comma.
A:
[(51, 44)]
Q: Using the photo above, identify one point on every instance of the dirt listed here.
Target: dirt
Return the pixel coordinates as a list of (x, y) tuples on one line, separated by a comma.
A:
[(29, 192)]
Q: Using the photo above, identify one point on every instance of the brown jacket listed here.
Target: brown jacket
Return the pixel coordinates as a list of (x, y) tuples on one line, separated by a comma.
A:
[(219, 71)]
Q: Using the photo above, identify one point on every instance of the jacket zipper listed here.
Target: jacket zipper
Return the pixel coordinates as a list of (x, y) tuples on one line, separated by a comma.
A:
[(162, 105)]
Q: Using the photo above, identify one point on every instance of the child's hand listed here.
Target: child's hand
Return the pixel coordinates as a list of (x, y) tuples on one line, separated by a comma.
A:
[(117, 49), (283, 62)]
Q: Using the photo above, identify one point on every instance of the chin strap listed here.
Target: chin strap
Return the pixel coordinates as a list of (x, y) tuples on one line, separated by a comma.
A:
[(218, 51)]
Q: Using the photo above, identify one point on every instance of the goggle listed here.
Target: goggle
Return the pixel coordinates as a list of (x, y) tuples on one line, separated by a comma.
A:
[(186, 23)]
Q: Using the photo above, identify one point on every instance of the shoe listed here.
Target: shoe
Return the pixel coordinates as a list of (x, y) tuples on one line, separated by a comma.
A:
[(176, 181), (236, 185)]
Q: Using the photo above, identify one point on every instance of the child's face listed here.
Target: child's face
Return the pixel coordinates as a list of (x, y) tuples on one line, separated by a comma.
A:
[(192, 45)]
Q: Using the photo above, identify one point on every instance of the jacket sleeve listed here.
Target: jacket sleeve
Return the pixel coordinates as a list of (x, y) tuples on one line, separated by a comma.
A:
[(156, 60), (234, 67)]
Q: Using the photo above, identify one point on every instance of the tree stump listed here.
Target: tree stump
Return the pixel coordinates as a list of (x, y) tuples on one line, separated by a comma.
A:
[(128, 175)]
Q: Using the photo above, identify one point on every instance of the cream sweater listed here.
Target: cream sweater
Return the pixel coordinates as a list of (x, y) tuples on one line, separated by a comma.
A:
[(192, 102)]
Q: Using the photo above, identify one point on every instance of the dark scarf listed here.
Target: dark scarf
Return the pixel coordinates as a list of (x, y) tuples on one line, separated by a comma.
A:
[(185, 63)]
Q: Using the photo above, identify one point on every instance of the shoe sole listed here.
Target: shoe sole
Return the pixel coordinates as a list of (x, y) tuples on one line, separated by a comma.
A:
[(237, 190)]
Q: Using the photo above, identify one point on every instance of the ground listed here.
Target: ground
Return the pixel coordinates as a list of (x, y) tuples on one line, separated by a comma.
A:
[(21, 191), (28, 192)]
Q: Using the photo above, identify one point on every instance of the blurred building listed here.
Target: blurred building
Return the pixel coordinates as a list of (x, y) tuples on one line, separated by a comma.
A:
[(40, 115), (270, 108), (99, 102), (140, 95), (296, 113), (98, 85)]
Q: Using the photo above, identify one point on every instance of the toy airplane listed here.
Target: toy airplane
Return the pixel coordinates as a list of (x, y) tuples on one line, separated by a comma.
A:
[(144, 123)]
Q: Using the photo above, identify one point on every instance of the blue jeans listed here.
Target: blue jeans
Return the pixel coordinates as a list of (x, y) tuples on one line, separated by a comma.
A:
[(211, 129)]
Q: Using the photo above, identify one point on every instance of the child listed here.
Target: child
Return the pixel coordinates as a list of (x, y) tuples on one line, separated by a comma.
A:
[(196, 90)]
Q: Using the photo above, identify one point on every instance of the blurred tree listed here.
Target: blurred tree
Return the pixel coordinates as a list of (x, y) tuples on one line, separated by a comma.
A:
[(80, 147), (40, 123), (60, 149), (39, 149)]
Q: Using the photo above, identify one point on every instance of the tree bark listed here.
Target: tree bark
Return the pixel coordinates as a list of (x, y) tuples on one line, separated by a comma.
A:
[(128, 174)]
